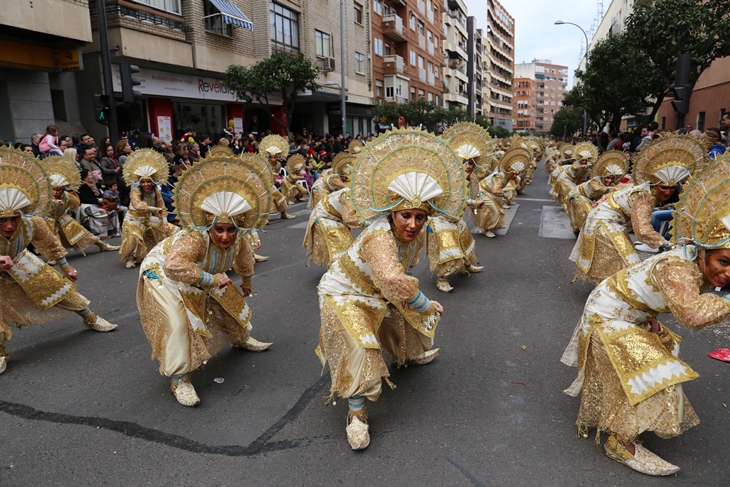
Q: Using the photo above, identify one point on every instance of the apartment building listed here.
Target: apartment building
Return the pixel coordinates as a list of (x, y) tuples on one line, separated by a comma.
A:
[(39, 53), (524, 103), (456, 78), (500, 59), (475, 68), (551, 84), (407, 50)]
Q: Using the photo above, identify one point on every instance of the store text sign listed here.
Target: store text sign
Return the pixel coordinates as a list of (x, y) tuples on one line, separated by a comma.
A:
[(161, 83)]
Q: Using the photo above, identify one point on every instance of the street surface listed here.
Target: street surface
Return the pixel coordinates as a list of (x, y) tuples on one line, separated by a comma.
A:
[(87, 409)]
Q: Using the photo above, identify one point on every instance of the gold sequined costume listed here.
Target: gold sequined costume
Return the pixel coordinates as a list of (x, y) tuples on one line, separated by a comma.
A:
[(31, 291), (328, 234), (145, 224), (581, 200), (333, 179), (604, 246), (490, 215), (270, 146), (575, 174), (186, 314), (630, 377), (372, 311), (290, 187)]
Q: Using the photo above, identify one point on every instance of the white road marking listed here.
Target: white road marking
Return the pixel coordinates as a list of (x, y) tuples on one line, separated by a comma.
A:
[(554, 223)]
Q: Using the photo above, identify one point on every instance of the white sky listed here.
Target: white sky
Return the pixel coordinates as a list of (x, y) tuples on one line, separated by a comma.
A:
[(536, 36)]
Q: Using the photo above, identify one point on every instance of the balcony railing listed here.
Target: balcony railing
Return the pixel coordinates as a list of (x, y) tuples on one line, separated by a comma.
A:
[(422, 75), (393, 64), (393, 28)]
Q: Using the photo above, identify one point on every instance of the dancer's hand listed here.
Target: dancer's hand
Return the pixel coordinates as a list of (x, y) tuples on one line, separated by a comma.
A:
[(246, 291), (71, 274), (6, 263), (222, 280), (655, 326), (439, 308)]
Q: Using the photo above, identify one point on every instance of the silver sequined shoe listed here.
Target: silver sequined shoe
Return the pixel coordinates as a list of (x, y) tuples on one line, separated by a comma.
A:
[(185, 392), (100, 325), (425, 358), (642, 460), (253, 345), (357, 430), (3, 363)]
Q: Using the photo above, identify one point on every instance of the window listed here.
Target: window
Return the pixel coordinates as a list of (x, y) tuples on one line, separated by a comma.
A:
[(413, 21), (430, 97), (379, 88), (413, 58), (420, 62), (701, 121), (378, 46), (358, 13), (420, 28), (284, 26), (322, 43), (214, 20), (389, 92), (172, 6), (378, 6), (421, 93), (360, 60)]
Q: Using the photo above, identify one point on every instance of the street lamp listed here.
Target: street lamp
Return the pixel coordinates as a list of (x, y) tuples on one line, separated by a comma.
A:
[(342, 69), (585, 112)]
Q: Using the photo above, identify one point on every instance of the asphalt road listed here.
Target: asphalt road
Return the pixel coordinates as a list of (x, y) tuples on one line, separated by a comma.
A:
[(84, 408)]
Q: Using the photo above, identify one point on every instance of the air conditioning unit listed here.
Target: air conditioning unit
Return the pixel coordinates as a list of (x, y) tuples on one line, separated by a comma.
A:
[(328, 64)]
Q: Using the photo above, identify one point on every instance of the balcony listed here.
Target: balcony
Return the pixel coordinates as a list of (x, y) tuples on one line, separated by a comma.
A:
[(422, 7), (422, 75), (400, 100), (431, 79), (422, 41), (393, 65), (393, 28), (431, 48), (459, 97)]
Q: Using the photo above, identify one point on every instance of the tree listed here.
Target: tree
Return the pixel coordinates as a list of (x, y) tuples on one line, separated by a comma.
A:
[(616, 83), (281, 74), (664, 29), (418, 112), (567, 121), (498, 131)]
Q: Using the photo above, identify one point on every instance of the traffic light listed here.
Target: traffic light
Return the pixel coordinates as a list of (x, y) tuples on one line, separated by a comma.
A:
[(126, 71), (681, 88), (101, 108)]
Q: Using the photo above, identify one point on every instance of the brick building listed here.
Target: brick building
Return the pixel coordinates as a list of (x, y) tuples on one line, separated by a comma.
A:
[(456, 79), (524, 104), (407, 50), (500, 56), (551, 84)]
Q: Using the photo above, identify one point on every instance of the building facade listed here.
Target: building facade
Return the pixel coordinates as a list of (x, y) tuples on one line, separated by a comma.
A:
[(407, 41), (456, 78), (475, 69), (500, 55), (550, 87), (524, 104), (39, 54)]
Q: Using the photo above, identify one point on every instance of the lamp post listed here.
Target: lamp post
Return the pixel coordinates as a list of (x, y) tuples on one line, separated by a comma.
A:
[(342, 69), (585, 112)]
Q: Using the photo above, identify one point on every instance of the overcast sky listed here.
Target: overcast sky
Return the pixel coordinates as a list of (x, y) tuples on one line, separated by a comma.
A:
[(536, 36)]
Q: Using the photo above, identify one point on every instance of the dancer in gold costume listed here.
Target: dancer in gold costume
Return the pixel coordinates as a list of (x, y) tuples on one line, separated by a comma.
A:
[(145, 224), (368, 301), (65, 181), (274, 147), (604, 246), (630, 376), (605, 174), (31, 291), (332, 179), (189, 307), (290, 187), (576, 173)]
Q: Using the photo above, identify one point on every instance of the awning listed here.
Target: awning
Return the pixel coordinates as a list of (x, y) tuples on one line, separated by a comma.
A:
[(232, 14)]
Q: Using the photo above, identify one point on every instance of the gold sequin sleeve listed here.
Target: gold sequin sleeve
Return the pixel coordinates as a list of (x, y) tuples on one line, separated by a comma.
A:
[(335, 183), (349, 216), (597, 188), (244, 262), (73, 201), (180, 263), (680, 283), (160, 204), (389, 275), (641, 210), (497, 188), (135, 200), (45, 241)]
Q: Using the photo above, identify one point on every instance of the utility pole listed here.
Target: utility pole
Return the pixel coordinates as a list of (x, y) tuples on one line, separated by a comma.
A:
[(343, 97), (106, 72)]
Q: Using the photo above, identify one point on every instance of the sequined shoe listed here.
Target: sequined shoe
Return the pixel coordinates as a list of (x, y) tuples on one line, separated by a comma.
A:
[(357, 430), (642, 460), (489, 234), (425, 358), (253, 345), (108, 248), (287, 216), (474, 269), (100, 325), (185, 392), (3, 363), (260, 258), (130, 264), (443, 285), (51, 262)]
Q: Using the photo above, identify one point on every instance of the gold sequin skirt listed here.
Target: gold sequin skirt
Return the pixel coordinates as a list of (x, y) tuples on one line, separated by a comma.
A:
[(174, 342), (605, 406), (490, 215), (358, 371), (136, 242)]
